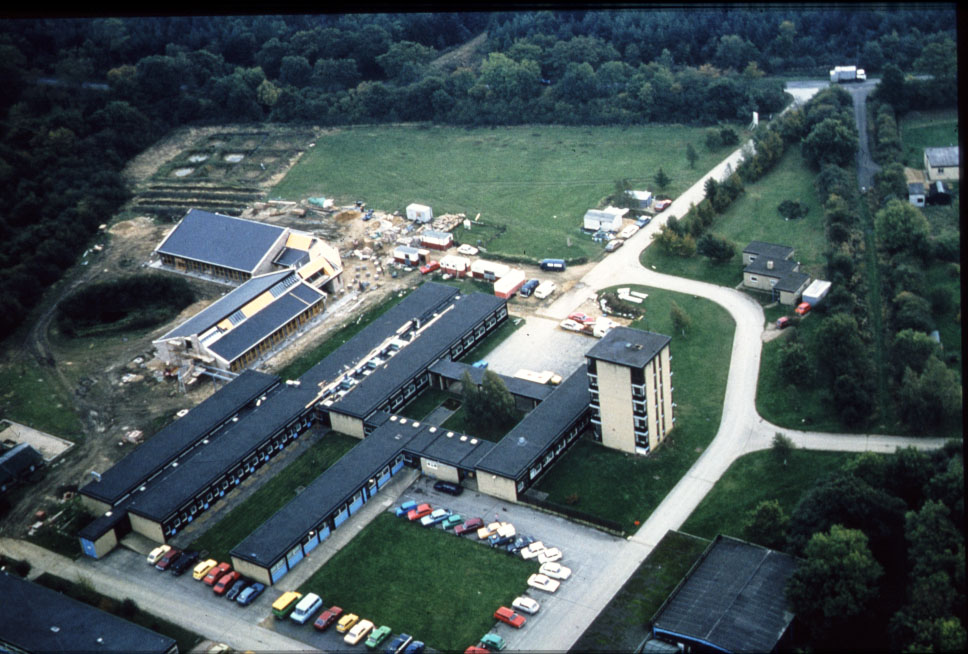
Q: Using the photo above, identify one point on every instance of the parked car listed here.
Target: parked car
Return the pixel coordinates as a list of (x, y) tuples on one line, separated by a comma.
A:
[(250, 593), (467, 249), (225, 581), (202, 568), (470, 525), (377, 636), (216, 573), (448, 487), (488, 530), (156, 554), (581, 318), (419, 512), (405, 508), (283, 606), (508, 616), (493, 642), (543, 582), (240, 584), (555, 571), (346, 622), (550, 555), (399, 642), (415, 647), (519, 543), (499, 540), (643, 221), (661, 205), (532, 550), (438, 515), (306, 608), (452, 521), (476, 649), (328, 617), (783, 322), (183, 562), (571, 325), (359, 631), (525, 604), (168, 558), (802, 309), (429, 267), (614, 244), (528, 288)]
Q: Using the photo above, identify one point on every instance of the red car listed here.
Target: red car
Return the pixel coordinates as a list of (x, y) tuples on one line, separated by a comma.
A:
[(474, 649), (419, 512), (783, 322), (661, 205), (469, 527), (508, 616), (165, 561), (217, 573), (225, 581), (429, 267), (581, 318), (327, 618)]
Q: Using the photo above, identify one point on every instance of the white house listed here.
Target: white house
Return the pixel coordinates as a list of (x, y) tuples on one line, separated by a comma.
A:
[(942, 163), (608, 219), (420, 213)]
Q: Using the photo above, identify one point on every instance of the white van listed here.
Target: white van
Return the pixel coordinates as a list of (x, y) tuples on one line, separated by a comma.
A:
[(544, 290), (306, 608)]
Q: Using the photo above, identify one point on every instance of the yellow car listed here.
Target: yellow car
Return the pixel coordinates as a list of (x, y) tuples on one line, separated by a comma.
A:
[(202, 568), (359, 631), (346, 622), (283, 606)]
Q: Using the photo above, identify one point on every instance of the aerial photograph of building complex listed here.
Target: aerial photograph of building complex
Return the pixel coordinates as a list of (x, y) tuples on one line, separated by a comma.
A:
[(544, 329)]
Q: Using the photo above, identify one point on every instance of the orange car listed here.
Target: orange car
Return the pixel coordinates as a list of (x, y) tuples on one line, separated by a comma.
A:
[(217, 573), (802, 309)]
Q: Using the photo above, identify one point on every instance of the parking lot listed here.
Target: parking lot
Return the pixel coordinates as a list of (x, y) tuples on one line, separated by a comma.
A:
[(540, 344)]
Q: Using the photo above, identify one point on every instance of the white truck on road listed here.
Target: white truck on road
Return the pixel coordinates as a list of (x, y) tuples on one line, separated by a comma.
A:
[(847, 74)]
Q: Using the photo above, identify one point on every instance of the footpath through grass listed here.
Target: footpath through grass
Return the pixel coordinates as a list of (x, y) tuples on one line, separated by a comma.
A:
[(438, 587), (625, 488), (537, 181), (228, 532)]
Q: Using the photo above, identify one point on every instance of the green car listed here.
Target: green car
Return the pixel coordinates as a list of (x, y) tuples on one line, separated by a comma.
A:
[(493, 642), (377, 636), (452, 521)]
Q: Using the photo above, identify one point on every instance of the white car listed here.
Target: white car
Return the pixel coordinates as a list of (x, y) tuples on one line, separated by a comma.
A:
[(469, 250), (549, 555), (543, 582), (571, 325), (525, 604), (532, 550), (555, 571), (157, 553), (437, 516), (359, 631)]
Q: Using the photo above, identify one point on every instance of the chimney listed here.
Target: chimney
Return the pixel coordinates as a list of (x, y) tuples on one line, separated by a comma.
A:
[(769, 265)]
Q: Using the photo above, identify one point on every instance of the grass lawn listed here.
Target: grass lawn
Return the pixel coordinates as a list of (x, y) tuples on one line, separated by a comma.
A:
[(927, 129), (30, 395), (538, 181), (265, 502), (437, 587), (624, 623), (753, 217), (757, 477), (425, 403), (625, 488)]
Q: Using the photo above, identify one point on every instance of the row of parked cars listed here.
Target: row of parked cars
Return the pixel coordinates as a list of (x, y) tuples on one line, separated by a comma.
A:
[(224, 581), (301, 608)]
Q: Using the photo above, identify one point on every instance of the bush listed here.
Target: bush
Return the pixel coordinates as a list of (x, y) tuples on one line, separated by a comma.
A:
[(792, 209)]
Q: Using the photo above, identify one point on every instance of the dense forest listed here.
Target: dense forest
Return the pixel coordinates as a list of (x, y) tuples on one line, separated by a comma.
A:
[(81, 96)]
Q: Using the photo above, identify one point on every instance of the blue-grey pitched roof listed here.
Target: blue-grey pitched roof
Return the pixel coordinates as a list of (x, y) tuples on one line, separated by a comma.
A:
[(940, 157), (422, 303), (17, 460), (763, 249), (915, 188), (291, 257), (529, 440), (323, 495), (177, 437), (628, 347), (227, 305), (230, 447), (37, 619), (732, 599), (260, 326), (221, 240), (788, 279), (417, 356)]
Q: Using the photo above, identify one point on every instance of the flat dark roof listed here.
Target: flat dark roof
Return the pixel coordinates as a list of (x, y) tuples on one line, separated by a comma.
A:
[(14, 461), (764, 249), (454, 371), (628, 347), (176, 437), (221, 240), (209, 462), (430, 345), (421, 303), (290, 524), (37, 619), (527, 442), (733, 598), (446, 446)]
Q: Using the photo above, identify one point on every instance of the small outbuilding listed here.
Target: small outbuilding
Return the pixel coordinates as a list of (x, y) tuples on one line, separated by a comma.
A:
[(17, 464), (436, 240), (608, 219), (938, 193), (916, 194), (489, 270), (510, 283), (406, 255), (816, 292), (420, 213), (942, 163), (455, 265), (640, 200)]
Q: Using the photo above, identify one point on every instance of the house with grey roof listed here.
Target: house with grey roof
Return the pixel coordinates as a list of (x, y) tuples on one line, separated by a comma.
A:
[(17, 464), (942, 163), (916, 195), (771, 268)]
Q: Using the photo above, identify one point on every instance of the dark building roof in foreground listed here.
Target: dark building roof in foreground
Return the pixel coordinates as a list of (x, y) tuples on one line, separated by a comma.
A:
[(443, 445), (628, 347), (522, 446), (37, 619), (764, 249), (454, 371), (175, 438), (18, 459), (732, 599), (221, 240)]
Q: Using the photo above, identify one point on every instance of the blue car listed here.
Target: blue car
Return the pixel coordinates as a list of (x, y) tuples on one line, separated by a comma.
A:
[(642, 222), (405, 507), (398, 643), (416, 647), (250, 594)]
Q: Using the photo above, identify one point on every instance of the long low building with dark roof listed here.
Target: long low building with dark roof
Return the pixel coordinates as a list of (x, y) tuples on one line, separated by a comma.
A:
[(448, 375), (38, 619)]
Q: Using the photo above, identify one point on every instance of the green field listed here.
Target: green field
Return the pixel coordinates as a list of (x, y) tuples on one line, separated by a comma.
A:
[(538, 181), (753, 217), (927, 129), (30, 395), (624, 488), (437, 587), (228, 532), (757, 477)]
